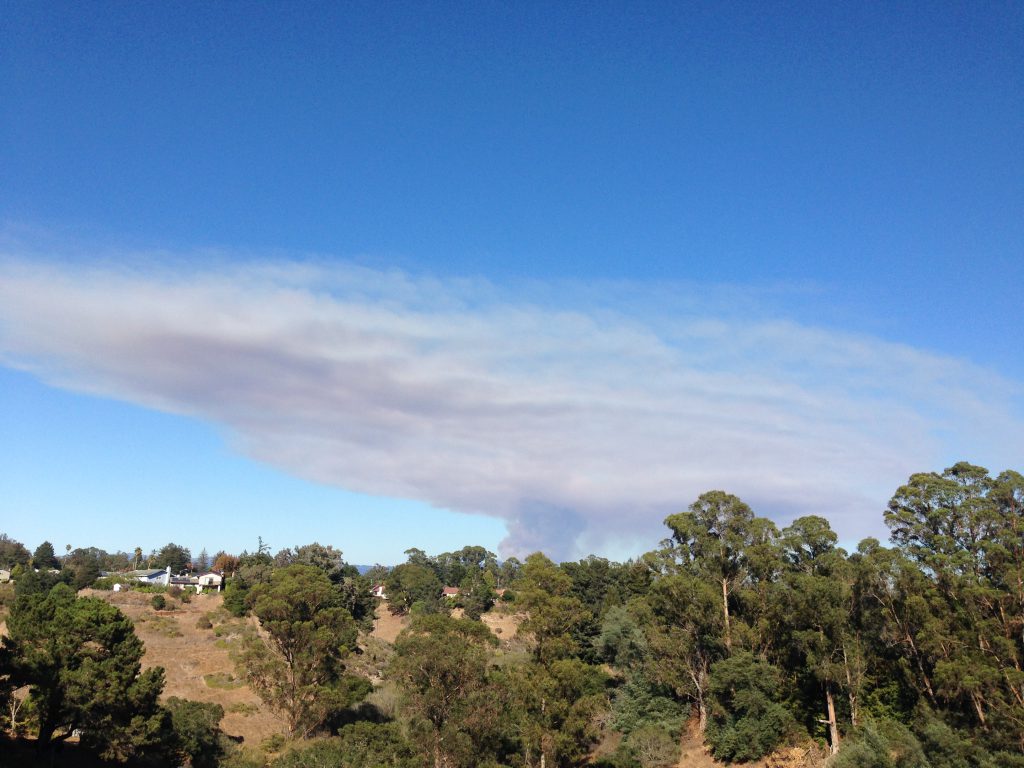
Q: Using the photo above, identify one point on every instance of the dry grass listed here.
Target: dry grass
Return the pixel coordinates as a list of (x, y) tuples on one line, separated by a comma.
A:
[(386, 626), (502, 621), (192, 656)]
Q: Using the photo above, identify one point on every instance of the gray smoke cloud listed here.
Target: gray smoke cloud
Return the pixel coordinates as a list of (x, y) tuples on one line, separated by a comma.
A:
[(580, 428)]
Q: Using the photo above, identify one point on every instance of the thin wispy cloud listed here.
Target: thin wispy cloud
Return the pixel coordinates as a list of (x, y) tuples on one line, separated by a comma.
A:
[(580, 428)]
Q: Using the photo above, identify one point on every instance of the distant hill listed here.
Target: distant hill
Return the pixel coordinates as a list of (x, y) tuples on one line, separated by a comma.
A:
[(364, 568)]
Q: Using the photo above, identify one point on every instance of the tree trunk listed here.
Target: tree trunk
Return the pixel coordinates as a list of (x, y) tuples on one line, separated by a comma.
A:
[(833, 727), (976, 701), (850, 689), (702, 714), (725, 610)]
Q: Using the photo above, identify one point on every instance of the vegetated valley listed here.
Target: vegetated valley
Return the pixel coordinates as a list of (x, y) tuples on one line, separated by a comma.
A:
[(732, 641)]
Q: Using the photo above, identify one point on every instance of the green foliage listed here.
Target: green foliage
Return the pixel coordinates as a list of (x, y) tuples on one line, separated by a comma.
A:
[(556, 707), (44, 557), (297, 666), (477, 595), (82, 566), (34, 583), (159, 602), (621, 641), (962, 627), (685, 636), (12, 553), (360, 745), (236, 595), (747, 720), (412, 583), (174, 555), (441, 667), (326, 558), (106, 583), (653, 746), (554, 614), (222, 680), (197, 733), (81, 658), (641, 704)]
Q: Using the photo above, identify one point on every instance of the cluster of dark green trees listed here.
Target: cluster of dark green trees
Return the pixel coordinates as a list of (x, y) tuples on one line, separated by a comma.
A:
[(753, 636), (80, 659)]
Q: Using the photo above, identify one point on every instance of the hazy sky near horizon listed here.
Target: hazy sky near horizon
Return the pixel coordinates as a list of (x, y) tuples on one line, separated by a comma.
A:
[(521, 275)]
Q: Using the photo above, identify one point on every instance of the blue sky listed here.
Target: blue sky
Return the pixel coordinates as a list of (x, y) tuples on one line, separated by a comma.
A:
[(514, 274)]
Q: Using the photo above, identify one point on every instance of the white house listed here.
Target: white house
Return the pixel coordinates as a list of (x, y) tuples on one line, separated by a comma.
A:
[(377, 590), (210, 581)]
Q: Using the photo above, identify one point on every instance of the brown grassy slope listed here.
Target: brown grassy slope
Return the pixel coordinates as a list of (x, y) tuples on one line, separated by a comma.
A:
[(386, 626), (197, 662)]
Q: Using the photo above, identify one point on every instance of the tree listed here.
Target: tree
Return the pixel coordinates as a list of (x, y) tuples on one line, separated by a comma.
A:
[(83, 566), (203, 561), (685, 635), (197, 734), (475, 595), (816, 612), (297, 665), (747, 720), (173, 555), (555, 708), (326, 558), (82, 659), (225, 563), (554, 614), (964, 529), (12, 553), (412, 583), (44, 557), (440, 665), (713, 536)]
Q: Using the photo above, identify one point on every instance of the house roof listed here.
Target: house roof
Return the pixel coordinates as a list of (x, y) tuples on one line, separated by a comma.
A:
[(450, 591)]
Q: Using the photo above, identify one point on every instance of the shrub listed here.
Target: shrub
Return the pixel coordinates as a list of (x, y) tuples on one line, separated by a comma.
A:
[(159, 602), (186, 596), (359, 745), (274, 743), (653, 747), (174, 591), (197, 731), (235, 598), (107, 583), (204, 623), (747, 721)]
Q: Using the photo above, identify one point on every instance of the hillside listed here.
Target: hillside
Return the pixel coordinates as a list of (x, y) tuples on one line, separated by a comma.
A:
[(197, 661), (198, 666)]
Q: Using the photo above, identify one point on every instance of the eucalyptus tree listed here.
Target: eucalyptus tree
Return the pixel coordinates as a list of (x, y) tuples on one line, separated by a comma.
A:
[(554, 614), (816, 615), (685, 637), (297, 664), (441, 668), (712, 538), (964, 530), (555, 709)]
